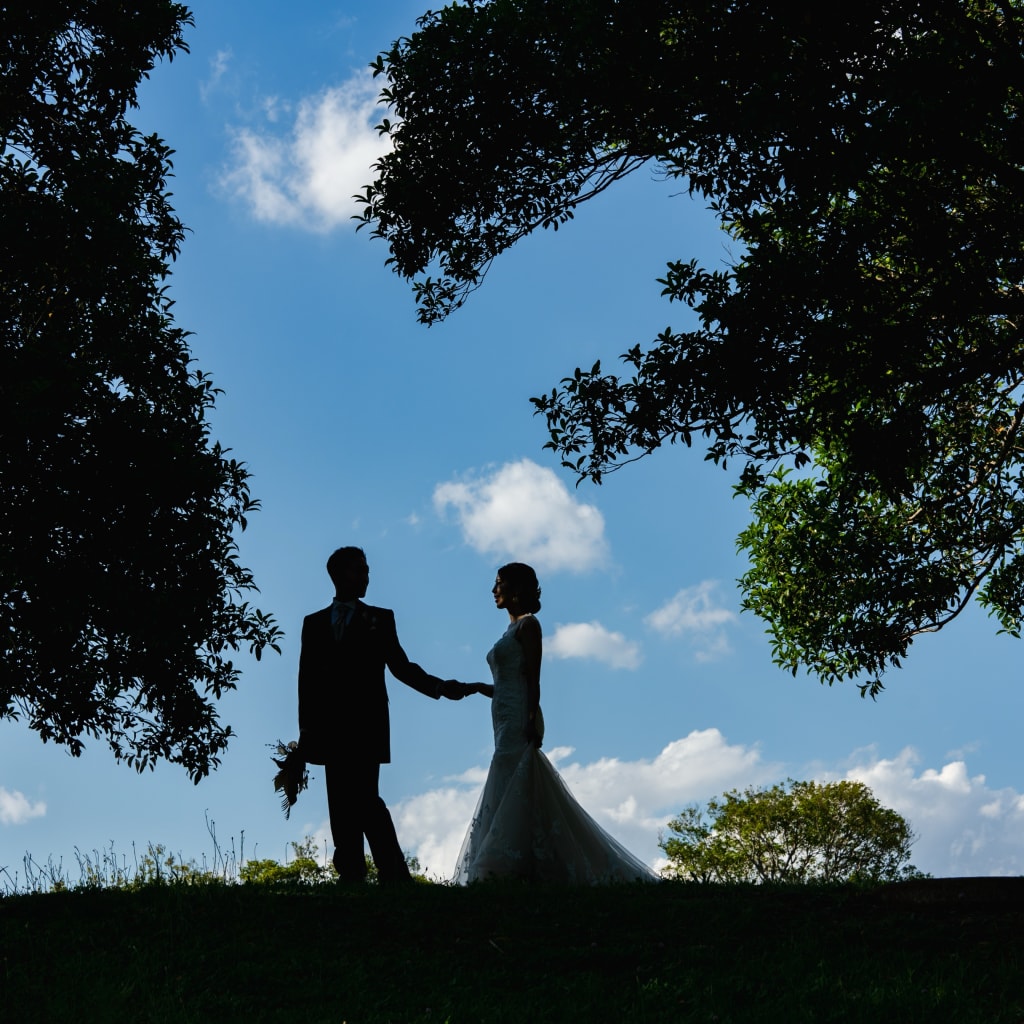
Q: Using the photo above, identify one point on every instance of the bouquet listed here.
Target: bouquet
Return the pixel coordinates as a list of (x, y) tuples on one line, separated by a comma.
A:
[(291, 777)]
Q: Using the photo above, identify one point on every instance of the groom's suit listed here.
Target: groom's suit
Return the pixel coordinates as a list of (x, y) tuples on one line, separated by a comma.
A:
[(344, 725)]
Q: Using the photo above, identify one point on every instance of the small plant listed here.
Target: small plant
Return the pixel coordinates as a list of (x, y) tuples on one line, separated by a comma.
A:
[(304, 869), (105, 869)]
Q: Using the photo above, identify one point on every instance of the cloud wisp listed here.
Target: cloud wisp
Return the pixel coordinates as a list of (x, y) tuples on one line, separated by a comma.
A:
[(524, 511), (306, 174), (219, 65), (696, 614)]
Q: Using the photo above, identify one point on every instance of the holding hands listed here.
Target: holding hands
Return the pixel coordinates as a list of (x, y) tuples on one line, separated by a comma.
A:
[(454, 690)]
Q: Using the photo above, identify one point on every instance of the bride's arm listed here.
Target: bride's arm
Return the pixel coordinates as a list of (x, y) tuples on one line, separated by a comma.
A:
[(529, 635)]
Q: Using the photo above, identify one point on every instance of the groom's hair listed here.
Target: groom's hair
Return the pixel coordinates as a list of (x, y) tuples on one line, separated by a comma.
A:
[(342, 558)]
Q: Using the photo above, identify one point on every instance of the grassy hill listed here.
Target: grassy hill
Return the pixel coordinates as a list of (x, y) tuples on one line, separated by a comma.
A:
[(942, 951)]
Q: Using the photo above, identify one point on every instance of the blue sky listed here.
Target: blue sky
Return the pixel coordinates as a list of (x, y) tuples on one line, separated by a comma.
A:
[(362, 427)]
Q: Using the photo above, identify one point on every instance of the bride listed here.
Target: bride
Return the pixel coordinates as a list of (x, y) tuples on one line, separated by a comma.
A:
[(527, 824)]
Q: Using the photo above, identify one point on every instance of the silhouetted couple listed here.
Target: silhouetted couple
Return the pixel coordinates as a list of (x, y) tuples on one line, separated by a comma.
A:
[(527, 824)]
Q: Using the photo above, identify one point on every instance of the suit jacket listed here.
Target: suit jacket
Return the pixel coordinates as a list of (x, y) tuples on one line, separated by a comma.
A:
[(343, 699)]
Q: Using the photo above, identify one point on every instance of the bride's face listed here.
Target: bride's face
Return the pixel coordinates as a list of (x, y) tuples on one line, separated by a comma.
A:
[(501, 593)]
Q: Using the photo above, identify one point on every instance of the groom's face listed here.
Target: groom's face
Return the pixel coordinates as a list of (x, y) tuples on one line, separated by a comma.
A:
[(355, 578)]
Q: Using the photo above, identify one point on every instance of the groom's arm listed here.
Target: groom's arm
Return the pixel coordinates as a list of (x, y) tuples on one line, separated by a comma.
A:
[(307, 674), (311, 670), (409, 672)]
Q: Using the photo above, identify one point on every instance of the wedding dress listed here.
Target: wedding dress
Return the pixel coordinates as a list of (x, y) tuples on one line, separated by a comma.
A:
[(527, 824)]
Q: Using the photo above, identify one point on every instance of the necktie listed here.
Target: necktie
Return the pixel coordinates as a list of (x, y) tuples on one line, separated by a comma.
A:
[(342, 617)]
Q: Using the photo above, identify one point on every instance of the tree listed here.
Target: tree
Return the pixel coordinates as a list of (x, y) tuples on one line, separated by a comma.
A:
[(860, 363), (121, 594), (797, 832)]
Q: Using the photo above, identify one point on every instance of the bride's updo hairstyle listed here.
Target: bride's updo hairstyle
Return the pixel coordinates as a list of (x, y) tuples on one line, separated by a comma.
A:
[(522, 581)]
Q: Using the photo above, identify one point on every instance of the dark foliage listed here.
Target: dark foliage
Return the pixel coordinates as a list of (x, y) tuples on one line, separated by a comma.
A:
[(120, 590), (860, 362)]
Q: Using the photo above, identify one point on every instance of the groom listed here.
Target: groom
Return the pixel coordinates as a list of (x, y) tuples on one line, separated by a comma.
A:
[(343, 714)]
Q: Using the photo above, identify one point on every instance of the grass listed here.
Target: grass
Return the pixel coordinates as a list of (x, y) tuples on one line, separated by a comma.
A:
[(936, 951)]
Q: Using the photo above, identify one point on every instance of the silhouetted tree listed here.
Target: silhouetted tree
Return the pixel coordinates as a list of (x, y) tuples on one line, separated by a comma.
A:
[(860, 360), (120, 589), (797, 832)]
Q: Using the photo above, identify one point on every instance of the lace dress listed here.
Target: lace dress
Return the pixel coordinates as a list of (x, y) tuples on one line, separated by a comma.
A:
[(527, 824)]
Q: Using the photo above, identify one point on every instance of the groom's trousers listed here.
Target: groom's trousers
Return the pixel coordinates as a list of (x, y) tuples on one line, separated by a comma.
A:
[(356, 810)]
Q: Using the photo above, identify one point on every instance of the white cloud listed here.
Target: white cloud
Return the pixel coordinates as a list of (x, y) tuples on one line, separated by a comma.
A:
[(16, 808), (695, 613), (963, 826), (592, 640), (631, 799), (432, 826), (308, 176), (525, 512)]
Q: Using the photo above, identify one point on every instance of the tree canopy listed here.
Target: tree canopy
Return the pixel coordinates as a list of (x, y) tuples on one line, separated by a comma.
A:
[(858, 365), (797, 832), (121, 594)]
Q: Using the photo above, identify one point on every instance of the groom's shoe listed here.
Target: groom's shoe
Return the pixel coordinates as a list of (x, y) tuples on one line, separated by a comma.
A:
[(349, 874), (394, 873)]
